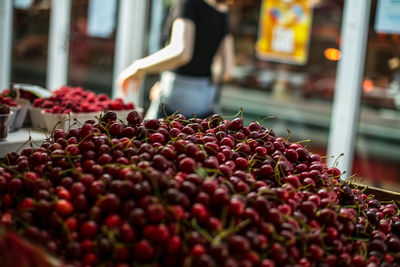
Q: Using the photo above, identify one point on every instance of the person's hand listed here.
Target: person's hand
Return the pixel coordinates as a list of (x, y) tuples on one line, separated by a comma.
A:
[(130, 78), (155, 91)]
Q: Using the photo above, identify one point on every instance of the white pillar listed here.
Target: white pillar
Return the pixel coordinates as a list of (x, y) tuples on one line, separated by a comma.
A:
[(6, 15), (129, 41), (57, 62), (350, 72)]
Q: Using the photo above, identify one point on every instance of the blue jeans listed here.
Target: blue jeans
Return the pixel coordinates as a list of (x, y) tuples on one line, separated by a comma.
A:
[(190, 95)]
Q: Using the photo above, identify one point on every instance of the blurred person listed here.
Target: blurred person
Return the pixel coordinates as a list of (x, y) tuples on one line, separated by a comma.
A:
[(198, 57)]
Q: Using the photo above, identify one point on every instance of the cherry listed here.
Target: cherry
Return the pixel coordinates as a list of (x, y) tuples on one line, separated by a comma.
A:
[(14, 186), (155, 212), (143, 251), (64, 207), (236, 206), (241, 163), (121, 253), (160, 162), (134, 117), (236, 124), (187, 165), (90, 259), (109, 116), (293, 180), (110, 203), (266, 170), (384, 226), (127, 233), (243, 147), (80, 202), (239, 244), (88, 229), (267, 263), (220, 197), (309, 208), (197, 250), (199, 211), (72, 224), (113, 220), (316, 252)]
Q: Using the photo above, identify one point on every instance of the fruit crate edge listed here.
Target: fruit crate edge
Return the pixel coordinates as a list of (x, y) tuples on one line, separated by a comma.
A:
[(379, 193)]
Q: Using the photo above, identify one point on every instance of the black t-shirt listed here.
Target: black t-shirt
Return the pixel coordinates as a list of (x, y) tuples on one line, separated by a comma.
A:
[(211, 27)]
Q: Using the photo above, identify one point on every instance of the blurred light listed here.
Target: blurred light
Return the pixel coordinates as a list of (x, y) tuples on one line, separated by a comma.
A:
[(394, 63), (332, 54), (368, 85)]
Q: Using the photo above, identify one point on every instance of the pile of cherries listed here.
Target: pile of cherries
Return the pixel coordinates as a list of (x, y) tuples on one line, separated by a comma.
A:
[(191, 192), (74, 99)]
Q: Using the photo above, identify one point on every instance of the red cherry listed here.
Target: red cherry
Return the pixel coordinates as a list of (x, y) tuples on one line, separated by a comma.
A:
[(127, 233), (90, 259), (155, 212), (187, 165), (88, 229), (174, 244), (72, 224), (113, 220), (199, 211), (143, 251), (64, 207), (197, 250)]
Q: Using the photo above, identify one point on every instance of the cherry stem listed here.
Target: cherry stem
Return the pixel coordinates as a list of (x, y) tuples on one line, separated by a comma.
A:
[(201, 230), (229, 231), (267, 118), (288, 135)]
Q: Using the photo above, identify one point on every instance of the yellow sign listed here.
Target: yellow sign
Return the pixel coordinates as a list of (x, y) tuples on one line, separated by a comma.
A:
[(284, 31)]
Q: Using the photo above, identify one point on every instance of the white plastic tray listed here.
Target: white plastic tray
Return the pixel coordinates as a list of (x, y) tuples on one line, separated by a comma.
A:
[(75, 120), (37, 117)]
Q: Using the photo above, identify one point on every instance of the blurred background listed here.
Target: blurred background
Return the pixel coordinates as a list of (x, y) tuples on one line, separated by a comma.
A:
[(295, 84)]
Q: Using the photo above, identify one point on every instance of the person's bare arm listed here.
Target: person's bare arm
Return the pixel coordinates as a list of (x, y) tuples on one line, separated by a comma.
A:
[(224, 60), (177, 53)]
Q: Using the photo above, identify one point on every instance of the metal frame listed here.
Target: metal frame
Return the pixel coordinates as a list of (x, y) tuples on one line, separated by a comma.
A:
[(6, 22), (129, 41), (57, 62), (350, 72)]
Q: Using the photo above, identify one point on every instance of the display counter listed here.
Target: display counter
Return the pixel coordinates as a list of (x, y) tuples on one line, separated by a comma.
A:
[(19, 139)]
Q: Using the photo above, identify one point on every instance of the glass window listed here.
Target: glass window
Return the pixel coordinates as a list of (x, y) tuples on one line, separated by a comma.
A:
[(92, 44), (377, 157), (30, 41), (299, 96)]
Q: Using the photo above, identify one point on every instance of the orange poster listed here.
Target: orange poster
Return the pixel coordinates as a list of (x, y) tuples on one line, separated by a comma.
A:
[(284, 31)]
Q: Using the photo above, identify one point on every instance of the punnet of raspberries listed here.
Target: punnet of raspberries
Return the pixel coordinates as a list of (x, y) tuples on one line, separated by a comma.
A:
[(69, 99), (8, 101), (191, 192)]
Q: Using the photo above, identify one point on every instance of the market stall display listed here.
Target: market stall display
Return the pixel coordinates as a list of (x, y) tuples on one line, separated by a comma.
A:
[(49, 108), (191, 192), (21, 97), (68, 104)]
